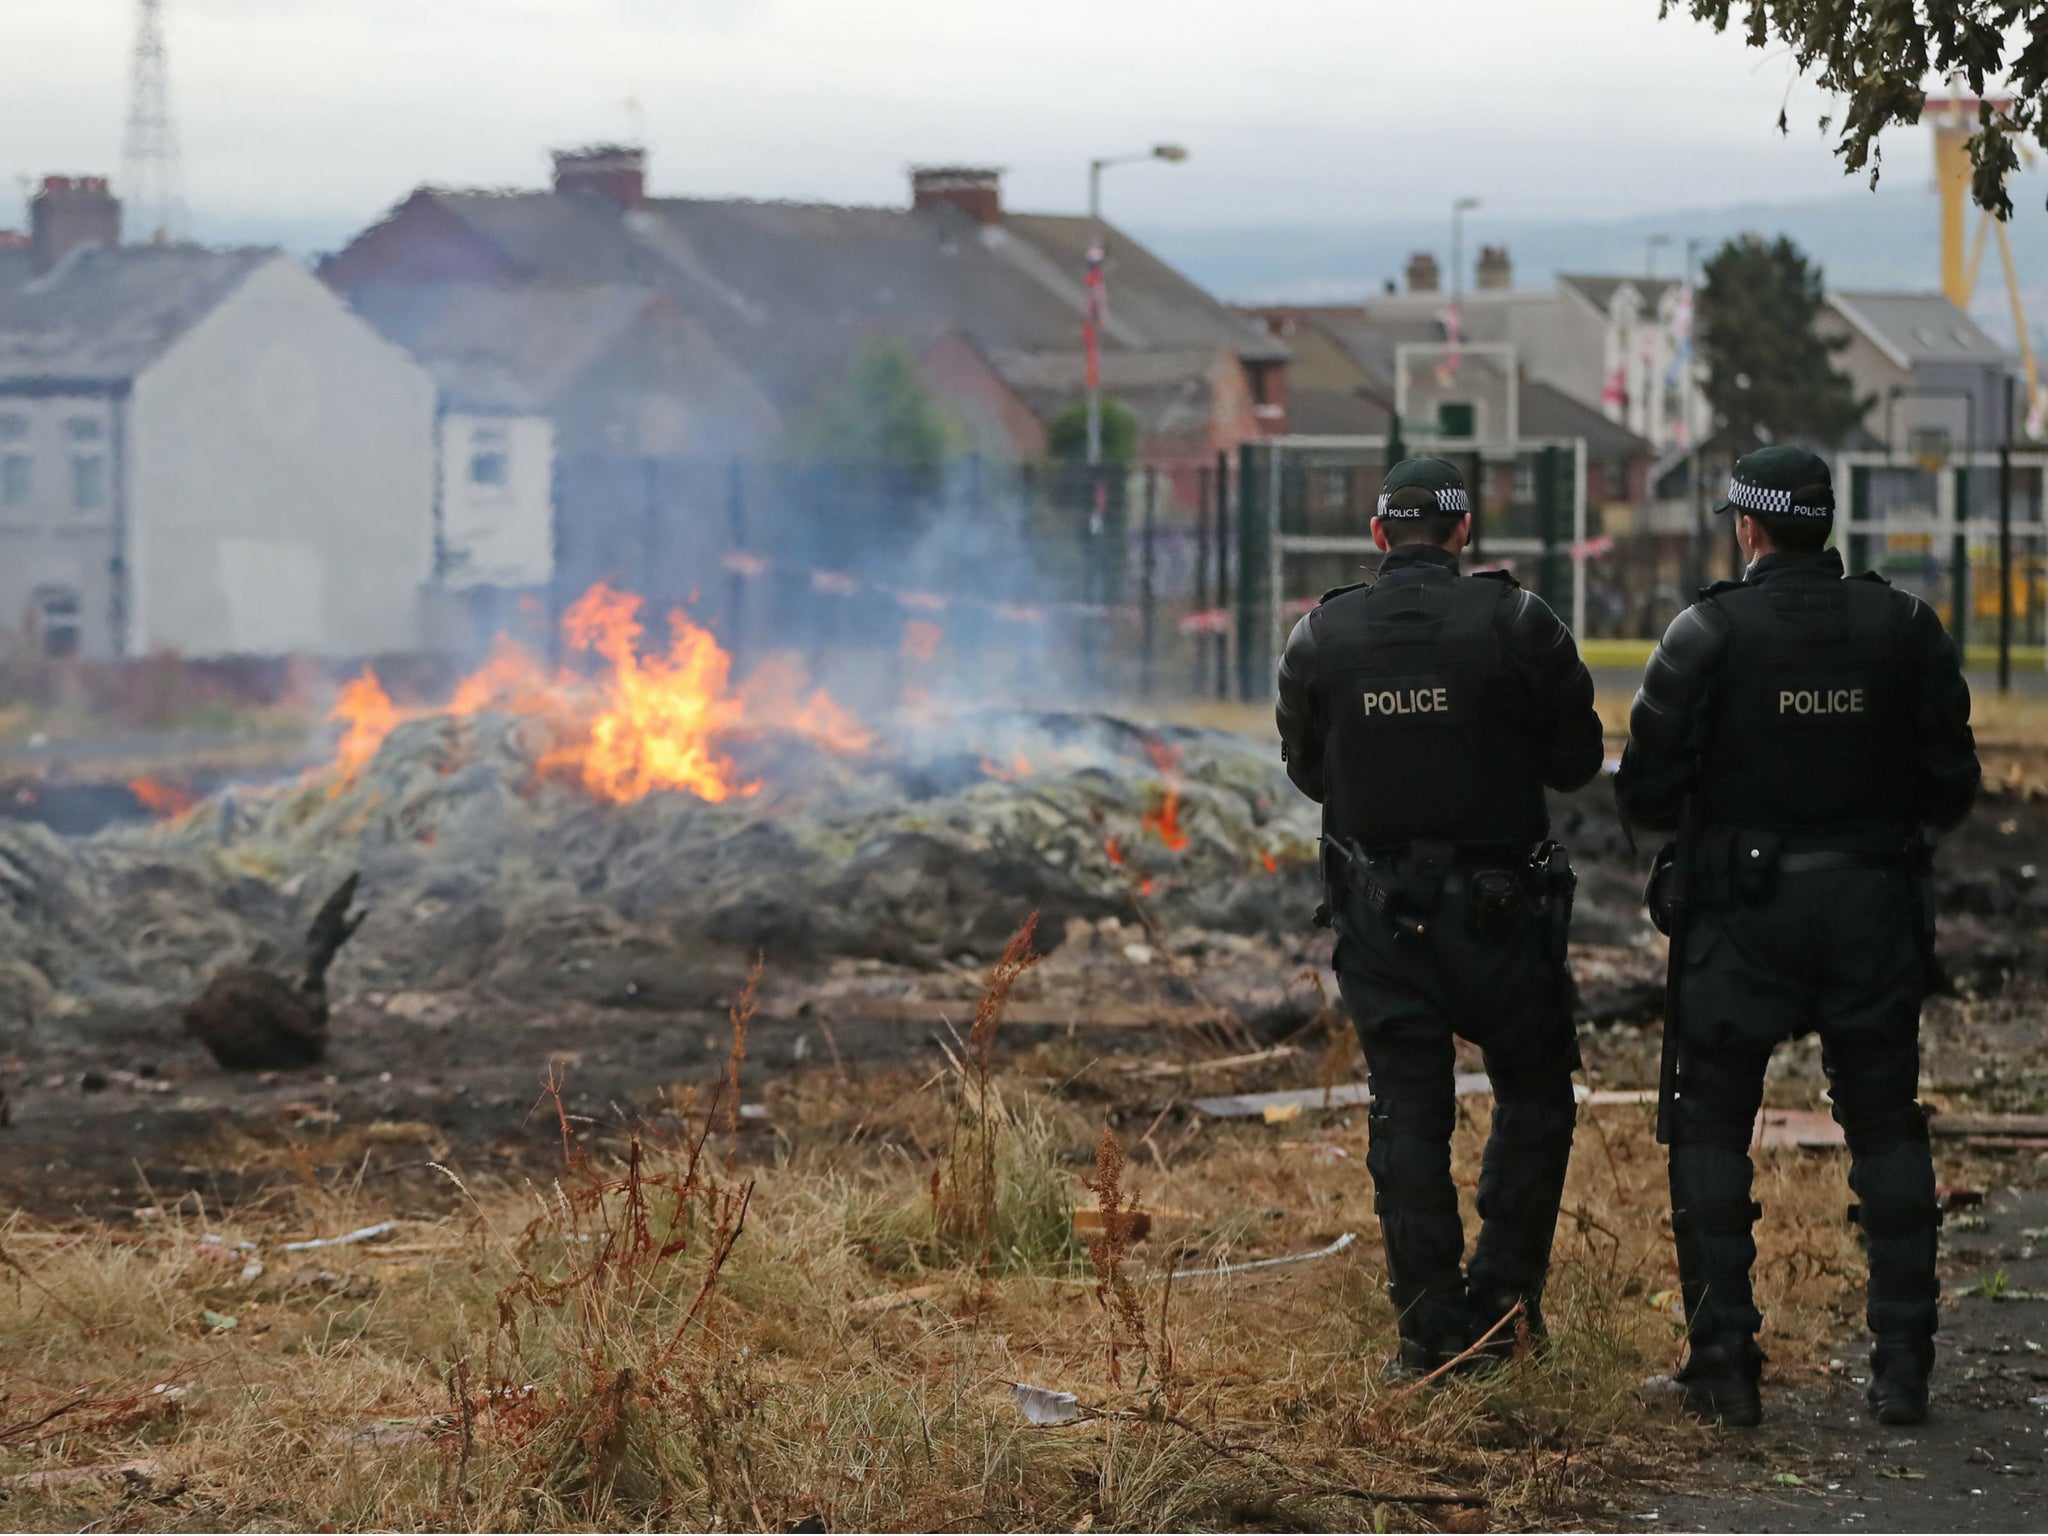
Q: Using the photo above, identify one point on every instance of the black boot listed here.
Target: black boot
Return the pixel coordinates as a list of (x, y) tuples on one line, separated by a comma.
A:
[(1899, 1368), (1433, 1330), (1486, 1306), (1720, 1378), (1901, 1222)]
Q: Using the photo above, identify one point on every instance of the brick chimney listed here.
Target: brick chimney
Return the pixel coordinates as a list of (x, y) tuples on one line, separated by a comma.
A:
[(617, 172), (1495, 270), (1423, 276), (976, 191), (68, 212)]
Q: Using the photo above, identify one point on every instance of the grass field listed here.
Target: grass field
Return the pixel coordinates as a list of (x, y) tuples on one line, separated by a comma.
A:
[(670, 1335)]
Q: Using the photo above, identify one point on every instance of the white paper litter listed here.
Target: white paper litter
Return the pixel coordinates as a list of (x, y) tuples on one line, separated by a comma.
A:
[(360, 1235), (1043, 1406), (1238, 1269)]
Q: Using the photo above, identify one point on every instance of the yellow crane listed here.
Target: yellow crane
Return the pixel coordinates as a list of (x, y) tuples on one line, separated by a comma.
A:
[(1954, 119)]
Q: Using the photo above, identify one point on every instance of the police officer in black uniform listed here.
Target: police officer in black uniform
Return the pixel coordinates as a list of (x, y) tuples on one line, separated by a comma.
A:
[(1804, 729), (1427, 711)]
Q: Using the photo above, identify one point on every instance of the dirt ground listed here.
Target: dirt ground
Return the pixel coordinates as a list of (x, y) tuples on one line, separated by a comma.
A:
[(107, 1132)]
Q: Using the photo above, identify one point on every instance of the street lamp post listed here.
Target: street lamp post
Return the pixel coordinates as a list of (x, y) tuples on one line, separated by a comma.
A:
[(1458, 211), (1650, 248), (1172, 154), (1688, 407)]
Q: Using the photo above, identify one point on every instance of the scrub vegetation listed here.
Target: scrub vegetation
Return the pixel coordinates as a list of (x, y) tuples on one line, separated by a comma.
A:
[(687, 1326)]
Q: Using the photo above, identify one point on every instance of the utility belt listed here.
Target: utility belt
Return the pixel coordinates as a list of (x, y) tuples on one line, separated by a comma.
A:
[(1734, 866), (1488, 887)]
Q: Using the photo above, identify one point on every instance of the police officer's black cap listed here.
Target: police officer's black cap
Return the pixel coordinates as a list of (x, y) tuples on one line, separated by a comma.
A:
[(1423, 488), (1781, 481)]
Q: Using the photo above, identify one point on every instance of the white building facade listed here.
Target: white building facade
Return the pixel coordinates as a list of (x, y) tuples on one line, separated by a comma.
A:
[(208, 453)]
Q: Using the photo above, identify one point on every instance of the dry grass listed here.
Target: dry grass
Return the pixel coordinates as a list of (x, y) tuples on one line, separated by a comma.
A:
[(663, 1338)]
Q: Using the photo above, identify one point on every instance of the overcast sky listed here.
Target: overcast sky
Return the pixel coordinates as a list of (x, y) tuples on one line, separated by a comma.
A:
[(1294, 111)]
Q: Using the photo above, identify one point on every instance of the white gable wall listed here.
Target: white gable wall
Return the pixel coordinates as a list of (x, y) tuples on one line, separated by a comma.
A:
[(280, 481), (497, 501)]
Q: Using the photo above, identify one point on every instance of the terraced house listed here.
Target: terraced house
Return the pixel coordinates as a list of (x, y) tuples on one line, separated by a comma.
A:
[(200, 451)]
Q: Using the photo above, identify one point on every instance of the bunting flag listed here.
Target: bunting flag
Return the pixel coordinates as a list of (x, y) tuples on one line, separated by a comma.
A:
[(1098, 311), (1681, 336), (1454, 333), (1614, 393)]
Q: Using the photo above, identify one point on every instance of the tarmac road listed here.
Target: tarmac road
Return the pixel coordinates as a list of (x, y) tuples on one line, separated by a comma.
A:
[(1819, 1463)]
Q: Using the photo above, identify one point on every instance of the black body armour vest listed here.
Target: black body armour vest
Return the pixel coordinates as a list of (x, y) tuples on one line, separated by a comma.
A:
[(1809, 722), (1429, 736)]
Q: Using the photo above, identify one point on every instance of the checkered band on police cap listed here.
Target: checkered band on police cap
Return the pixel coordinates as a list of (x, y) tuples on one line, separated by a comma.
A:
[(1445, 501), (1423, 488), (1781, 481)]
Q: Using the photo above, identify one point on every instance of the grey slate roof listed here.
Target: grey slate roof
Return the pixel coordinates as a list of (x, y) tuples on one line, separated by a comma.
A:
[(1915, 328), (1335, 402), (1169, 392), (102, 316), (1599, 291), (502, 349), (790, 290)]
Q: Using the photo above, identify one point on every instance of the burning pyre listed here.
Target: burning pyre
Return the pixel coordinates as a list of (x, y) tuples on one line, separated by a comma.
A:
[(623, 825)]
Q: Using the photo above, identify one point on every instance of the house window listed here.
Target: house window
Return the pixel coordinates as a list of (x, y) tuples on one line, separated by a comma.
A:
[(15, 480), (84, 429), (13, 429), (89, 482), (57, 620), (1457, 418), (489, 458)]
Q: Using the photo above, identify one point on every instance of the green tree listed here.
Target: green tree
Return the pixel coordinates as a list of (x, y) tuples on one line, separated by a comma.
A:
[(1067, 436), (1770, 373), (1876, 54), (880, 414)]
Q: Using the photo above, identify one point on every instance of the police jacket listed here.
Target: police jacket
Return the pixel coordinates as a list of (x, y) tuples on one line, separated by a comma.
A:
[(1434, 706), (1797, 701)]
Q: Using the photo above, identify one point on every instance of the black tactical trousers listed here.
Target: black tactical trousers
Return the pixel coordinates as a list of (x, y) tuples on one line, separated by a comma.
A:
[(1830, 951), (1408, 995)]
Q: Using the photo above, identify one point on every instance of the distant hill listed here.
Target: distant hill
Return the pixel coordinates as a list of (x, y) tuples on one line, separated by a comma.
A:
[(1884, 239)]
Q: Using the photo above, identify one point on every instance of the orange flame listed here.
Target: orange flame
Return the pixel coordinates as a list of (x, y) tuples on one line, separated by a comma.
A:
[(1019, 768), (1164, 823), (639, 723), (774, 699), (371, 717), (161, 800), (664, 714), (1115, 850)]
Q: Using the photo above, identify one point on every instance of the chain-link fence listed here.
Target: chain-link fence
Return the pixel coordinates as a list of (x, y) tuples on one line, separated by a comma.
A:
[(1181, 578)]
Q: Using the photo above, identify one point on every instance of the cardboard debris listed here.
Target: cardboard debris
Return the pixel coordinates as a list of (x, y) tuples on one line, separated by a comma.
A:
[(1136, 1225), (1278, 1108), (1798, 1128), (140, 1470)]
